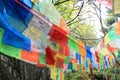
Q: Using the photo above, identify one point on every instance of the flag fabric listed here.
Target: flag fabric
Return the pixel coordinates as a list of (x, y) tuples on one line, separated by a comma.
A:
[(50, 54), (30, 56), (46, 8), (58, 35), (9, 50), (53, 71), (72, 44), (117, 28), (78, 57), (42, 58), (15, 14), (82, 51), (112, 34), (12, 35)]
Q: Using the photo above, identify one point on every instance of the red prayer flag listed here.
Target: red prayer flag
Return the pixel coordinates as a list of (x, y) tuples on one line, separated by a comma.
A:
[(97, 57), (111, 49), (58, 35), (59, 63), (50, 56), (41, 65), (67, 51)]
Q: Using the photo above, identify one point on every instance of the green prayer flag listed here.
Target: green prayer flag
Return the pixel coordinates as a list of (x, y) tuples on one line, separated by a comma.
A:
[(74, 66), (42, 58), (67, 59), (112, 34), (9, 50), (58, 73), (73, 45), (100, 58)]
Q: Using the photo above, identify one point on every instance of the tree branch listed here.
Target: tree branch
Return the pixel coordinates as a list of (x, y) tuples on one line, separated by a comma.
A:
[(77, 21), (58, 3), (77, 14)]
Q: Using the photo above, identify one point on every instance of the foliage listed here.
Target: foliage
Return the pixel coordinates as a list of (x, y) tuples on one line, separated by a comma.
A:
[(79, 17)]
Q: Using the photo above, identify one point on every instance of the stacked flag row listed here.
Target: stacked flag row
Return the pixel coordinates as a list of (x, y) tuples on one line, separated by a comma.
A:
[(33, 31)]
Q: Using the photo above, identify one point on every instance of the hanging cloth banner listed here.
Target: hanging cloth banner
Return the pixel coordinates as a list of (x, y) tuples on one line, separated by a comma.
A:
[(13, 37), (107, 39), (8, 50), (78, 57), (58, 35), (97, 57), (14, 14), (88, 53), (64, 26), (50, 56), (72, 43), (47, 9), (30, 56), (112, 34), (28, 3), (42, 59), (53, 71)]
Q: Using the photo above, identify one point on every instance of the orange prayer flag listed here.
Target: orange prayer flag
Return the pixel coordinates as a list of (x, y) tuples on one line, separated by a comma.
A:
[(82, 51), (64, 26), (73, 60), (80, 43), (117, 28), (30, 56), (61, 75)]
